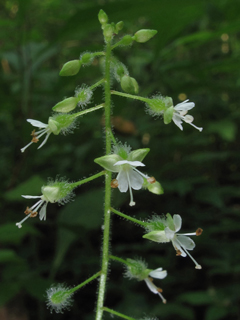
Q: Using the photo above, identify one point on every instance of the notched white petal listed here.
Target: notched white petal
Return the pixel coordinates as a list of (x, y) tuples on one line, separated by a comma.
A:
[(158, 273), (122, 181), (37, 123), (177, 220), (186, 242), (136, 181)]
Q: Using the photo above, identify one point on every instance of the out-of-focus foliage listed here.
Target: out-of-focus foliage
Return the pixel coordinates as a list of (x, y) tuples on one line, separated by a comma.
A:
[(195, 56)]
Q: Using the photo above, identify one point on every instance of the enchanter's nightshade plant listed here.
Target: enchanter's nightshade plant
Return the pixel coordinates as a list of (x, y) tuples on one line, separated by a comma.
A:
[(125, 162), (118, 158), (137, 269), (165, 230)]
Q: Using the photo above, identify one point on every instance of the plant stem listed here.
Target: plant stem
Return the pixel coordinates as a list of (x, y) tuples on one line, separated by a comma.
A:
[(81, 113), (144, 224), (97, 84), (117, 313), (97, 175), (108, 178), (131, 96), (85, 282), (119, 259)]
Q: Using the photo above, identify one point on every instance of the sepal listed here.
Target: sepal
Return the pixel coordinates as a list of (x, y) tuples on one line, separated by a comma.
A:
[(156, 236), (107, 162), (168, 114), (138, 155)]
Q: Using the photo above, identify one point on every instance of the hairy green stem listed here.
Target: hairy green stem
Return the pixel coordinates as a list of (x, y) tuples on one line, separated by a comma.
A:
[(97, 175), (119, 260), (144, 224), (81, 113), (84, 283), (108, 178), (117, 313), (97, 84), (131, 96)]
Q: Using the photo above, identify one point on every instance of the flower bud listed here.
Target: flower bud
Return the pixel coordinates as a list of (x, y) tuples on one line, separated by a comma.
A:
[(168, 114), (59, 298), (102, 17), (129, 85), (108, 32), (70, 68), (144, 35), (66, 105), (83, 95), (119, 26), (87, 58)]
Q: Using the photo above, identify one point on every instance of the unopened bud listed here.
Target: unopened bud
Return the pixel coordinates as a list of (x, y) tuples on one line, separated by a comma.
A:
[(119, 26), (83, 95), (70, 68), (102, 17), (108, 32), (59, 298), (144, 35), (66, 105), (126, 41), (87, 58), (129, 85)]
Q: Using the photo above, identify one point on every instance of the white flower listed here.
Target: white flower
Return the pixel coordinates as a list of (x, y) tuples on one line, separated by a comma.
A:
[(180, 113), (157, 274), (44, 129), (124, 163), (181, 242), (32, 212), (129, 177)]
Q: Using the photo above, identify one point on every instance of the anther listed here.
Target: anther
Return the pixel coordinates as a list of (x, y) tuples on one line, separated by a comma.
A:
[(114, 183), (33, 214), (159, 290), (178, 253), (35, 139), (27, 211), (199, 231), (151, 180)]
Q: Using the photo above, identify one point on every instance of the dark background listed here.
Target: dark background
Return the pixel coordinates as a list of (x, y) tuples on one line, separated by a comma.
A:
[(195, 56)]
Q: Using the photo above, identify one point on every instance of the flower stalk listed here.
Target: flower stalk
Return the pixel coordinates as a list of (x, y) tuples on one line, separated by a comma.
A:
[(117, 313)]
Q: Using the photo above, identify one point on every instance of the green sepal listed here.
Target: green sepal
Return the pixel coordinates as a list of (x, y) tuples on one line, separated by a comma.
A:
[(129, 85), (107, 162), (70, 68), (156, 236), (168, 114), (87, 58), (144, 35), (119, 26), (169, 222), (126, 40), (51, 193), (138, 155), (54, 126), (155, 187), (108, 32), (66, 105)]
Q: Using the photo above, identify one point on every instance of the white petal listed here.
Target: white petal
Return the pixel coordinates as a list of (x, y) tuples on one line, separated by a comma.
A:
[(188, 118), (37, 123), (43, 211), (177, 220), (186, 242), (122, 181), (131, 163), (32, 197), (177, 120), (158, 273), (45, 140), (177, 246), (169, 233), (136, 181), (151, 286), (184, 106)]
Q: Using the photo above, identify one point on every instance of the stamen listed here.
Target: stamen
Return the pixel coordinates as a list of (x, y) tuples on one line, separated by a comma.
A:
[(178, 252), (35, 140), (198, 128), (33, 214), (198, 266), (144, 175), (162, 297), (19, 224)]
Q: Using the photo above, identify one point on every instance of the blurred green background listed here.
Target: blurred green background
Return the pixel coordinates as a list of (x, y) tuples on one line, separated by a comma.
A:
[(195, 56)]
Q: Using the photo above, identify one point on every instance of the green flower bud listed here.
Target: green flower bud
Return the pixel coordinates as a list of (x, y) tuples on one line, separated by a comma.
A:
[(168, 114), (87, 58), (129, 85), (102, 17), (119, 26), (83, 95), (59, 298), (66, 105), (108, 32), (70, 68), (144, 35)]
